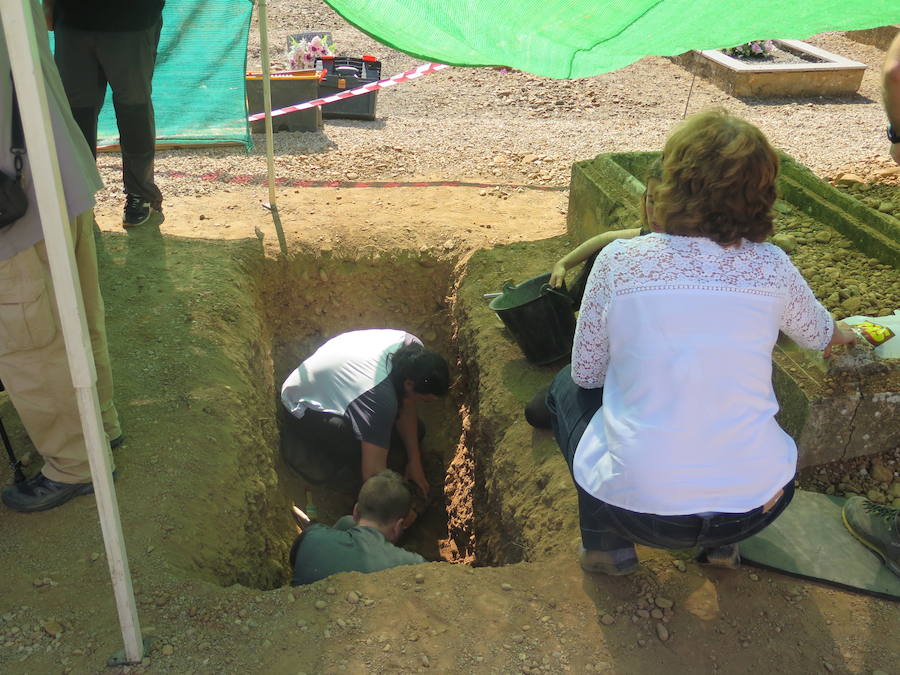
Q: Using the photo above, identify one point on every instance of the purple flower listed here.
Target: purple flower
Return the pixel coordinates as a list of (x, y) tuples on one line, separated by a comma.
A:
[(770, 45), (755, 48)]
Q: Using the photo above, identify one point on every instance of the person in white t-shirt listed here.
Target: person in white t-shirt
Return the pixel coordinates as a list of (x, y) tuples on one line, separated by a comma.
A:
[(352, 404), (666, 415)]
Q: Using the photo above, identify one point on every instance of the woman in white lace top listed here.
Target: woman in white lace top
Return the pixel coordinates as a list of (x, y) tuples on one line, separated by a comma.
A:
[(667, 416)]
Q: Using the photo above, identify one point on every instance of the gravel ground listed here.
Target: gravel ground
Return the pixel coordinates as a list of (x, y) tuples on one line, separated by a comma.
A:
[(515, 127)]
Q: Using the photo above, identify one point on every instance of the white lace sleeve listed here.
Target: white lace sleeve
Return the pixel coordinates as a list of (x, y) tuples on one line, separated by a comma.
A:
[(804, 319), (590, 351)]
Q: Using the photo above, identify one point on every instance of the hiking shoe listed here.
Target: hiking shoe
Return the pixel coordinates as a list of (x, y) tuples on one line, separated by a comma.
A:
[(876, 527), (39, 493), (138, 211), (616, 563), (727, 557)]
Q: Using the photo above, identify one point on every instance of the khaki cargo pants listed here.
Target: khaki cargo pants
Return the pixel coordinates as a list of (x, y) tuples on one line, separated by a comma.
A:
[(33, 364)]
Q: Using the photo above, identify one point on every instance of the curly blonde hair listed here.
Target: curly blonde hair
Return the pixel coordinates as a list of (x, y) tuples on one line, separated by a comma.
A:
[(718, 180)]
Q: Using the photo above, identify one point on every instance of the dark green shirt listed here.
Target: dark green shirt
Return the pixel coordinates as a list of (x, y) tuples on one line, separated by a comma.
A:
[(346, 547)]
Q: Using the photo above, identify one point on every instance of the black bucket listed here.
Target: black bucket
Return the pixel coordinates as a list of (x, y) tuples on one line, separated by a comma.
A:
[(541, 318)]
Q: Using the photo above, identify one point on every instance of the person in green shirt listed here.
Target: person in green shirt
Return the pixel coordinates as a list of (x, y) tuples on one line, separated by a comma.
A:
[(363, 542)]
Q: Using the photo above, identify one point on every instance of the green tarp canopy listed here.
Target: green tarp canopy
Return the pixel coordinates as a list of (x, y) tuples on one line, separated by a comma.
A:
[(580, 38)]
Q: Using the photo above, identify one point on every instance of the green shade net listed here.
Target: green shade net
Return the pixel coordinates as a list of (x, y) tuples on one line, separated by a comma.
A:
[(580, 38), (198, 84)]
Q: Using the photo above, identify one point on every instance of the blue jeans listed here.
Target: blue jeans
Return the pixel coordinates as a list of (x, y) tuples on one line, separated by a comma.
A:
[(605, 527)]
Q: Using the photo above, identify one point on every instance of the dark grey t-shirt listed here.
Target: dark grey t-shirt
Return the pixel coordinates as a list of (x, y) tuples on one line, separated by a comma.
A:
[(346, 547), (372, 414)]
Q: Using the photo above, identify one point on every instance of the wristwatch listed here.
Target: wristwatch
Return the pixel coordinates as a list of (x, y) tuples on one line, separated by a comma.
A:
[(893, 137)]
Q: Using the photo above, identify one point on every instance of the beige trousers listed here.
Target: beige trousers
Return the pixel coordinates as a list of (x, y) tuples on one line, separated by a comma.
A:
[(33, 364)]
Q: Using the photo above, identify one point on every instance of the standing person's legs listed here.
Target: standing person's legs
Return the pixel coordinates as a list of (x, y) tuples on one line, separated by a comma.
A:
[(82, 77), (95, 314), (35, 370), (128, 59)]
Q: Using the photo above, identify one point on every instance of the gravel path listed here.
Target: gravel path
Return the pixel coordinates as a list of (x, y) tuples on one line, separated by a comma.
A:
[(515, 127)]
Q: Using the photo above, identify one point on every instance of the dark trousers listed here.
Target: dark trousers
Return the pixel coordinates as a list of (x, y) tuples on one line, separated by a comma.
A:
[(605, 527), (87, 62), (323, 449)]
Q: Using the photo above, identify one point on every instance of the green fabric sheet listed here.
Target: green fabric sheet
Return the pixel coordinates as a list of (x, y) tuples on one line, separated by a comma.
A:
[(580, 38), (809, 540)]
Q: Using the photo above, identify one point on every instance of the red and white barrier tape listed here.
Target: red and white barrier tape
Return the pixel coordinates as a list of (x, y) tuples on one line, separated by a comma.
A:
[(413, 74)]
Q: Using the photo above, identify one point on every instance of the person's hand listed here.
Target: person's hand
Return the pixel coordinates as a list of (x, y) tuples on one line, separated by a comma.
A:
[(558, 275), (895, 152), (843, 335), (416, 474)]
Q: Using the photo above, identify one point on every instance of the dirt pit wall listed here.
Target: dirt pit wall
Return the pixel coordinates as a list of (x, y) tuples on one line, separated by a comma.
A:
[(525, 504)]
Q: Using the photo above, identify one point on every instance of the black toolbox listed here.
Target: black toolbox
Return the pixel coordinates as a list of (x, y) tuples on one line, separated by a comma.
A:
[(343, 73)]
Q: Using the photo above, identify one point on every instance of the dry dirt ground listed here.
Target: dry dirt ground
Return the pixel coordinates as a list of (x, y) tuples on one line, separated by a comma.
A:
[(205, 318)]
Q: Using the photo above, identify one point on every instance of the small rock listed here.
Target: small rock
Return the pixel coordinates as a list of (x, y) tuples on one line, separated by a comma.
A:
[(420, 578), (528, 159), (848, 179), (643, 613), (782, 206), (506, 587), (679, 565), (95, 557), (823, 236), (662, 632), (352, 176), (886, 207), (656, 613), (168, 650), (607, 620), (482, 193), (881, 473), (321, 604), (754, 577), (663, 603), (785, 242), (353, 597), (425, 662), (37, 583), (876, 496), (52, 628)]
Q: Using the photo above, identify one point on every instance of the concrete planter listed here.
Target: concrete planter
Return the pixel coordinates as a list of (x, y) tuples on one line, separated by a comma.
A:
[(880, 37), (825, 74), (832, 415)]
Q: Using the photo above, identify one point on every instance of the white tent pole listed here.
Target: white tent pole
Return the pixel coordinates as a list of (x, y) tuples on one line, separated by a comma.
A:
[(21, 40), (267, 96)]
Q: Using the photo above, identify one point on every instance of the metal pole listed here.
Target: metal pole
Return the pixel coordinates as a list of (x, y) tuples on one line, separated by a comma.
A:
[(25, 60), (267, 105)]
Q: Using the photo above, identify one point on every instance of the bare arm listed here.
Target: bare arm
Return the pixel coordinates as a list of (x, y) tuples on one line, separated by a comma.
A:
[(408, 428), (584, 251), (374, 459), (891, 91)]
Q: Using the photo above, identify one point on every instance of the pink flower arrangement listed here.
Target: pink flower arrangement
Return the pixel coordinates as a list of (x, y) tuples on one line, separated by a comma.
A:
[(304, 53), (757, 49)]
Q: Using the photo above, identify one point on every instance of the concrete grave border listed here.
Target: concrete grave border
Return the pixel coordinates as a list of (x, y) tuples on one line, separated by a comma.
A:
[(834, 76)]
